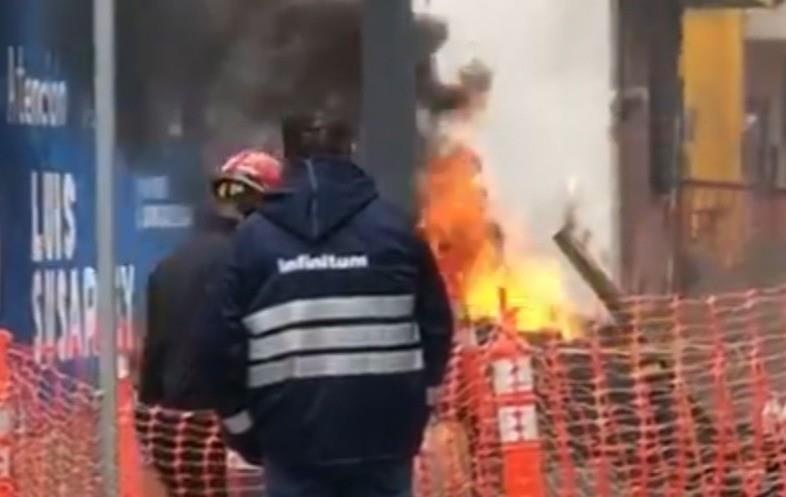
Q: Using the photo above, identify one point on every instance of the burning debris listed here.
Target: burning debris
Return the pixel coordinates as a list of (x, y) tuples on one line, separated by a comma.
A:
[(472, 246)]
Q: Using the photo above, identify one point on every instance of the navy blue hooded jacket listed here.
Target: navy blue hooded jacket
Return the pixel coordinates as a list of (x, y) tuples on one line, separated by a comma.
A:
[(330, 324)]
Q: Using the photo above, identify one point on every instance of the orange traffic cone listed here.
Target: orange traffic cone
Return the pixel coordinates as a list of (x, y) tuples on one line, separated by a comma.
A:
[(514, 398)]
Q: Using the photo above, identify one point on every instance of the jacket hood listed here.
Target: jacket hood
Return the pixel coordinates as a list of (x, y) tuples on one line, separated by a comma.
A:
[(319, 195)]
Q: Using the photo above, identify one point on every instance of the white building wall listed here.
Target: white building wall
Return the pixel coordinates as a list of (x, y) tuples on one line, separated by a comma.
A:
[(549, 116)]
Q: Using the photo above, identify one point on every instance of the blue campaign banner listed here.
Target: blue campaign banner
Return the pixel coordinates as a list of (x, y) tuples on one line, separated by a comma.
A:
[(47, 189)]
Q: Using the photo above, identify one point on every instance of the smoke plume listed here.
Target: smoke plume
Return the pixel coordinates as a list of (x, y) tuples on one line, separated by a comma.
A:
[(225, 72)]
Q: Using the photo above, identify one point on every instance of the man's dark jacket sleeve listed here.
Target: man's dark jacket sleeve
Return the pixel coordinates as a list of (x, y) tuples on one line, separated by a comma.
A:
[(178, 289), (434, 316), (220, 343), (221, 339)]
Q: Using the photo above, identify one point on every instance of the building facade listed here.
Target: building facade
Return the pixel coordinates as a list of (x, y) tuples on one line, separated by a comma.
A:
[(698, 134)]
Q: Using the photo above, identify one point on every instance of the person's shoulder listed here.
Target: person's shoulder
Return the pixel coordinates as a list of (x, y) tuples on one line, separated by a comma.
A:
[(255, 242), (252, 229)]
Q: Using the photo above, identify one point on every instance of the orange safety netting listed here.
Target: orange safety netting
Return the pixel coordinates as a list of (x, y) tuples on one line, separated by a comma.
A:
[(678, 398), (49, 430), (185, 449)]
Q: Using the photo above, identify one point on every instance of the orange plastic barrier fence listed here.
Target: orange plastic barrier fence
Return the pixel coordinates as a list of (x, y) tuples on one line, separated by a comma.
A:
[(49, 442), (682, 398)]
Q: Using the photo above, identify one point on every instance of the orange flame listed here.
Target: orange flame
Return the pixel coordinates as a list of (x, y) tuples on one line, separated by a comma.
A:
[(470, 249)]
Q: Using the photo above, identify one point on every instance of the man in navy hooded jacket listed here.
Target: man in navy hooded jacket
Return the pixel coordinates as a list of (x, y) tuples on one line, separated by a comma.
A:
[(329, 335)]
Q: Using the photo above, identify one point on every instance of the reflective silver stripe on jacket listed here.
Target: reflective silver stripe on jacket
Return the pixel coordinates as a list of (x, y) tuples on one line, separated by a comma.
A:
[(331, 365), (239, 423), (333, 337), (358, 307)]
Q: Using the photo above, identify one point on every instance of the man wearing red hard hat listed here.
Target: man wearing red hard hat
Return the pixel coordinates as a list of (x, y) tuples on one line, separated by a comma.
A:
[(245, 178), (179, 285)]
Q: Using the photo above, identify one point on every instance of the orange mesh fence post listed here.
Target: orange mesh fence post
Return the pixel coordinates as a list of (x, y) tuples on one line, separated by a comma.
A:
[(131, 477), (6, 483)]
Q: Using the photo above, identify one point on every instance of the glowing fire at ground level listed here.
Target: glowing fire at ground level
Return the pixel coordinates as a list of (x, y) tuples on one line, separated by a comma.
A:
[(529, 292)]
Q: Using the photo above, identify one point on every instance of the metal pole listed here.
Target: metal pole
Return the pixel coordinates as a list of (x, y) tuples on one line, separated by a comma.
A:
[(104, 43), (389, 102)]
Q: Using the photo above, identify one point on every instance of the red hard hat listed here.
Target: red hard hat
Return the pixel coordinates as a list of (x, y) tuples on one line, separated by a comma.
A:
[(251, 168)]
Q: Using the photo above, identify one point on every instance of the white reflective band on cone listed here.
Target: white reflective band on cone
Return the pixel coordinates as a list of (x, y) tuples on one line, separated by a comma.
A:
[(358, 307), (330, 365), (239, 423), (333, 337), (518, 423), (513, 375)]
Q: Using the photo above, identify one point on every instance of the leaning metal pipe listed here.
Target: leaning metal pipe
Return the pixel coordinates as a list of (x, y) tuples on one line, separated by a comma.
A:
[(590, 271)]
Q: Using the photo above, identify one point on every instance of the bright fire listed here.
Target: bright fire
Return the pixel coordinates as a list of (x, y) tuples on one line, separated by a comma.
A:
[(532, 289), (471, 248)]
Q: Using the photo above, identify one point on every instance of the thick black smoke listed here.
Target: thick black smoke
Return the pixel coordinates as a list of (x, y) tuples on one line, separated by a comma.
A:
[(226, 71)]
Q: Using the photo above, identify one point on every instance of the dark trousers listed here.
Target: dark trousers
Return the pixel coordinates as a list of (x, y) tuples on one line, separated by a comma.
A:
[(377, 479)]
